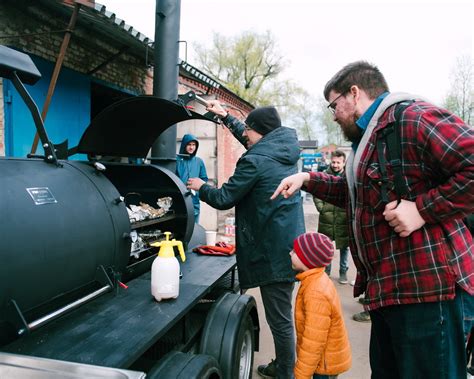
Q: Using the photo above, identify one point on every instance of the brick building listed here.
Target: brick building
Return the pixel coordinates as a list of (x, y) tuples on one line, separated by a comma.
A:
[(104, 61)]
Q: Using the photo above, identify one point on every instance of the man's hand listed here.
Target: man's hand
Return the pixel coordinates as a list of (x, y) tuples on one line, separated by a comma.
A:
[(290, 185), (215, 107), (194, 183), (405, 218)]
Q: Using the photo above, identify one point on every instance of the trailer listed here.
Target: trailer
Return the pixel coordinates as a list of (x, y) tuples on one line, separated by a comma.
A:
[(75, 298)]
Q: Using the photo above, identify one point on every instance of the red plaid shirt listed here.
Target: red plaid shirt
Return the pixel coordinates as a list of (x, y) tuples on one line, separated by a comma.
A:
[(438, 167)]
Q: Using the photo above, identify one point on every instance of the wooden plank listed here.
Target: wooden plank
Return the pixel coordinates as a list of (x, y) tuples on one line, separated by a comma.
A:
[(115, 329)]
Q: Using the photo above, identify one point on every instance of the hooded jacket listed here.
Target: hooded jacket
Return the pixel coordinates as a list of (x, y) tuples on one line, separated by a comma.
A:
[(322, 342), (190, 166), (265, 229)]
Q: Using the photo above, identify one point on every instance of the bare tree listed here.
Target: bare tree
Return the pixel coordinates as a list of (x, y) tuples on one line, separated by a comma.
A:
[(249, 65), (299, 111), (245, 63), (329, 128), (460, 99)]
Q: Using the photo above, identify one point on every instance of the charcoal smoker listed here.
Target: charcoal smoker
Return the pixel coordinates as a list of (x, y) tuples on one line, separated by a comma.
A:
[(66, 236)]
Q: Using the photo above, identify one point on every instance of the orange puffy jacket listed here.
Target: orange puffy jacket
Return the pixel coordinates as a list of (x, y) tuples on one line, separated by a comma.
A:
[(322, 343)]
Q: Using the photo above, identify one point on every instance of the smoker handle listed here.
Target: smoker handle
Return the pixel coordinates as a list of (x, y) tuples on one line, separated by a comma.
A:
[(200, 100), (54, 315)]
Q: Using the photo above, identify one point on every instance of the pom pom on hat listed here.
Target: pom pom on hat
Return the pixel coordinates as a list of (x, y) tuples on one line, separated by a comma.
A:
[(314, 249)]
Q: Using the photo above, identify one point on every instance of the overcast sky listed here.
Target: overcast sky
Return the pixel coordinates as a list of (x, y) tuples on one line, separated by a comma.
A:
[(415, 43)]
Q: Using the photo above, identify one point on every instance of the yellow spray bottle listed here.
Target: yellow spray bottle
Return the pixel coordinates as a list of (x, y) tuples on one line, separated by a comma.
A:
[(165, 269)]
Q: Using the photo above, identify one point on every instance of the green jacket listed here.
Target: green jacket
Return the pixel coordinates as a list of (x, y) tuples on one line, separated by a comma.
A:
[(265, 229), (332, 220)]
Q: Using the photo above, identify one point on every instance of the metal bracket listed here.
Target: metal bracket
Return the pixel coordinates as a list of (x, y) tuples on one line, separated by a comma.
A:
[(50, 154)]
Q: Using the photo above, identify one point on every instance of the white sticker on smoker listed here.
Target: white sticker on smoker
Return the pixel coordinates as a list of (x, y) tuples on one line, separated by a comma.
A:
[(41, 195)]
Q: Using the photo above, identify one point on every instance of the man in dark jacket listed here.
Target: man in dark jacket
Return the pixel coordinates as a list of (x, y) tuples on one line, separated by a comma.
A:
[(265, 229), (188, 165), (333, 220)]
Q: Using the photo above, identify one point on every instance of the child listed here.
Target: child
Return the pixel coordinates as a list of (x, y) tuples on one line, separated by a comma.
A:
[(322, 345)]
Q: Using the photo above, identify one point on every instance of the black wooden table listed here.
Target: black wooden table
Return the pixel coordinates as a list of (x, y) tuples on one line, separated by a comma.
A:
[(115, 329)]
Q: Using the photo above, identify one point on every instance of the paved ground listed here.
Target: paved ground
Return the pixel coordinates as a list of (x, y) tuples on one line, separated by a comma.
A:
[(358, 332)]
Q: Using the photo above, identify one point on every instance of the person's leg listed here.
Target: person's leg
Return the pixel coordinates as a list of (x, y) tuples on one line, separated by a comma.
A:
[(381, 354), (196, 215), (276, 300), (197, 210), (343, 261), (423, 340), (343, 265), (468, 311), (328, 269), (467, 302)]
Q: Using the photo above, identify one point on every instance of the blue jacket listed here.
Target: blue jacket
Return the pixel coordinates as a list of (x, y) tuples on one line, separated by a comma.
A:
[(190, 166), (265, 229)]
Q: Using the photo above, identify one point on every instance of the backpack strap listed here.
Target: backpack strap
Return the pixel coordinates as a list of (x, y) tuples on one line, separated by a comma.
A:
[(470, 344), (391, 135)]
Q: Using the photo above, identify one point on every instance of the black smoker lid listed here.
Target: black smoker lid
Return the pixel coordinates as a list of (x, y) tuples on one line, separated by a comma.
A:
[(129, 127)]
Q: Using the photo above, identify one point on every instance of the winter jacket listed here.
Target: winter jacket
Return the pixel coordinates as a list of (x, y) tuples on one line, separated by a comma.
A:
[(322, 344), (190, 166), (438, 166), (265, 229), (332, 220)]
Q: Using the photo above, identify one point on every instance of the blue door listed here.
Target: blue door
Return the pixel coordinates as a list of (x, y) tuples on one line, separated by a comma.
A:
[(67, 118)]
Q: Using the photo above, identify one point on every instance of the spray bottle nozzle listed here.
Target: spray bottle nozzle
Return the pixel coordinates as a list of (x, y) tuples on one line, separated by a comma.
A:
[(166, 247)]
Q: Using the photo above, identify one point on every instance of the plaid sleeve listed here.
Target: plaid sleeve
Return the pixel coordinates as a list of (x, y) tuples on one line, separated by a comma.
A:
[(329, 188), (447, 145)]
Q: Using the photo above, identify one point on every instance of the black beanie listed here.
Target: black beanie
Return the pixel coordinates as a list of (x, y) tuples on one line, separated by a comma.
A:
[(263, 120)]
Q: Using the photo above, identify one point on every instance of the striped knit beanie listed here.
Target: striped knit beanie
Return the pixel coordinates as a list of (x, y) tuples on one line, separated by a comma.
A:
[(314, 249)]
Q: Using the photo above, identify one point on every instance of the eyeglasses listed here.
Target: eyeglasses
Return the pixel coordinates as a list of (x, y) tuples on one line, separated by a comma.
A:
[(333, 104)]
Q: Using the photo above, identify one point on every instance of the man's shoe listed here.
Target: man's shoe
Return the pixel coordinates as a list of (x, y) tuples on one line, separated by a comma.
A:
[(343, 278), (267, 371), (361, 317)]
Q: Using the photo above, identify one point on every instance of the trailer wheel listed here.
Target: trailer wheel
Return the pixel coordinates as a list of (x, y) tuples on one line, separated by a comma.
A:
[(229, 335), (180, 365)]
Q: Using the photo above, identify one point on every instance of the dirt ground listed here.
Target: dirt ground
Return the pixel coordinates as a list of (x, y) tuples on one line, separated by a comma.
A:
[(359, 333)]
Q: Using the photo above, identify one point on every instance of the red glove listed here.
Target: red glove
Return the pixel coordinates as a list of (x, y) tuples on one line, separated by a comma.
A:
[(221, 248)]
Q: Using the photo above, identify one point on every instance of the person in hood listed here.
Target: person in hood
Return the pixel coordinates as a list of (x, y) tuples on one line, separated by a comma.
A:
[(415, 255), (188, 165), (265, 230)]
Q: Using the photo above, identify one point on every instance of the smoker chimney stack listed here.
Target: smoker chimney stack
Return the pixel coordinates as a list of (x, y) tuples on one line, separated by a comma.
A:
[(165, 76)]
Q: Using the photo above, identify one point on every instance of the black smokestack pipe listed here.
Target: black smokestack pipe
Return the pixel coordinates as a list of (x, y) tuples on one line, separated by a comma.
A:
[(165, 76)]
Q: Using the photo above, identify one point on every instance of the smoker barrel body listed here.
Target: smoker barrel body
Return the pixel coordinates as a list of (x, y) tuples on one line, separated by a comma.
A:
[(60, 224)]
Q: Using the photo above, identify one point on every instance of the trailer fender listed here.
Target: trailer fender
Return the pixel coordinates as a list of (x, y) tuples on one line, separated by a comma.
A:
[(230, 334), (178, 365)]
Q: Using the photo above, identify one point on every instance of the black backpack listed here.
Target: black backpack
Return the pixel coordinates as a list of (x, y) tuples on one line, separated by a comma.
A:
[(391, 136)]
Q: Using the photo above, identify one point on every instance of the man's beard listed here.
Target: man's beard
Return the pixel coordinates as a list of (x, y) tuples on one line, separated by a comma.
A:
[(351, 131)]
